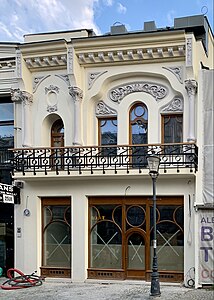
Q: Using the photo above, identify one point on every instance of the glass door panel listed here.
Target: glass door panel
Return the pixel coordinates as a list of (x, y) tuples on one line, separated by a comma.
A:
[(136, 252)]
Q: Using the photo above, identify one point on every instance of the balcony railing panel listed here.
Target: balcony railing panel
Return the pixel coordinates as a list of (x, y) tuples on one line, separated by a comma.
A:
[(120, 157)]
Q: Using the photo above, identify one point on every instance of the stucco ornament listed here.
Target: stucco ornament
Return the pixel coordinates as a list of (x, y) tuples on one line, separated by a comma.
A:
[(176, 105), (92, 77), (52, 88), (191, 86), (37, 81), (21, 96), (155, 90), (103, 109), (177, 71), (76, 93)]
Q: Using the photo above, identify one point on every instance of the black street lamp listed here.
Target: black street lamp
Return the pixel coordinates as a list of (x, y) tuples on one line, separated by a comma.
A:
[(153, 163)]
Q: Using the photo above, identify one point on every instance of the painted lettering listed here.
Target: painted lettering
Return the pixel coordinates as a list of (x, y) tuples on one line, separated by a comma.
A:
[(206, 233), (206, 249)]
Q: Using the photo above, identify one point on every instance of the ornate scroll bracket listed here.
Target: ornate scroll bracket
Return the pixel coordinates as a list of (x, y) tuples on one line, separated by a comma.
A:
[(92, 77), (103, 109), (177, 71), (21, 96), (176, 105), (156, 91), (76, 93), (191, 87)]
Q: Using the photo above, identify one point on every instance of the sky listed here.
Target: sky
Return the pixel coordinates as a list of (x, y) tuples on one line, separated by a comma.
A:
[(20, 17)]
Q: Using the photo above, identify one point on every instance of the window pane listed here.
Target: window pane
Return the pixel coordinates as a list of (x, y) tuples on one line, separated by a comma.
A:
[(108, 130), (173, 129), (6, 111), (6, 135), (106, 239)]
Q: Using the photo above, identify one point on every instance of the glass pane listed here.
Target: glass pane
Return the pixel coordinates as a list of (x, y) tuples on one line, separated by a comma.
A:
[(136, 252), (170, 249), (6, 135), (6, 112), (135, 216), (57, 245), (108, 129), (106, 246)]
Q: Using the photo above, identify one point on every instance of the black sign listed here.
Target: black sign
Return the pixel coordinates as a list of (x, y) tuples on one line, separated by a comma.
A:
[(9, 194)]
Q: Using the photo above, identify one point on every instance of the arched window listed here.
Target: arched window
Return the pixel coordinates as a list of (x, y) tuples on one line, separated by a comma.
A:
[(57, 134), (138, 129), (138, 124)]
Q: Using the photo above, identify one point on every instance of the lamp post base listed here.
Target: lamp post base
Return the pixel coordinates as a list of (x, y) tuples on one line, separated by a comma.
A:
[(155, 285)]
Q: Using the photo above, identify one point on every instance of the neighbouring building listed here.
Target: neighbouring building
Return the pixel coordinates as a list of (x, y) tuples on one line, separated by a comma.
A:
[(88, 110)]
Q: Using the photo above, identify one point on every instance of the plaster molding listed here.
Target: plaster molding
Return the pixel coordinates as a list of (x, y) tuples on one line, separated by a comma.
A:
[(21, 96), (52, 88), (52, 108), (93, 76), (177, 71), (64, 77), (175, 105), (191, 86), (37, 81), (157, 91), (103, 109), (70, 55), (18, 64), (50, 61), (134, 54), (76, 93), (189, 52)]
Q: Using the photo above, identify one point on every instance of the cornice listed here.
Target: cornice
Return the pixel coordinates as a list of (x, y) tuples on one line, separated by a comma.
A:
[(46, 61), (7, 63), (132, 54)]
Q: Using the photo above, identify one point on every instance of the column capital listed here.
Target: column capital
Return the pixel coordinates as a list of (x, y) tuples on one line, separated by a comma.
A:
[(76, 93), (21, 96), (191, 86)]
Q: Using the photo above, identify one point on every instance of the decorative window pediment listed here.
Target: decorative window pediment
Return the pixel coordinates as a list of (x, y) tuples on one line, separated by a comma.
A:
[(157, 91)]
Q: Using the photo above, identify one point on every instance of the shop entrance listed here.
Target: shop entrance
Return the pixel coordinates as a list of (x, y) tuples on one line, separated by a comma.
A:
[(56, 237), (121, 235)]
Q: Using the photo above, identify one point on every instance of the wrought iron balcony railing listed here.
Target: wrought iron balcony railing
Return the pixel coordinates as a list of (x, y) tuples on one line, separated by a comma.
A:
[(104, 158)]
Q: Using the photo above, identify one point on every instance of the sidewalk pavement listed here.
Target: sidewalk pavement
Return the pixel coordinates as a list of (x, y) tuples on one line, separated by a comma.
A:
[(56, 289)]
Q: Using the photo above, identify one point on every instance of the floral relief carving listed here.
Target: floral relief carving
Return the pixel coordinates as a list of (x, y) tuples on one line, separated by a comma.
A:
[(92, 77), (37, 81), (155, 90), (189, 52), (191, 86), (76, 93), (103, 109), (52, 108), (177, 71), (21, 96), (52, 88), (64, 77), (176, 105)]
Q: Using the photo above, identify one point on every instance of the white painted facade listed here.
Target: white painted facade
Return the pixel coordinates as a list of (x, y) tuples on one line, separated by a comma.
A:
[(69, 76)]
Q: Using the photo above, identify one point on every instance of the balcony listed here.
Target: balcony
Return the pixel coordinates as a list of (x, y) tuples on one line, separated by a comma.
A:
[(104, 158)]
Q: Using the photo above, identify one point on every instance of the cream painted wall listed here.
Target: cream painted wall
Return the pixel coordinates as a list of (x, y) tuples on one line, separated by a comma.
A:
[(28, 247)]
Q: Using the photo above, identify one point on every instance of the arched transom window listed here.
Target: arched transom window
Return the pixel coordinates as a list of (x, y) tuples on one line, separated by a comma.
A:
[(138, 124)]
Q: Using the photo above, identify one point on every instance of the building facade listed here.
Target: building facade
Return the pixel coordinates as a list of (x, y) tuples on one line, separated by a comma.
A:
[(88, 110)]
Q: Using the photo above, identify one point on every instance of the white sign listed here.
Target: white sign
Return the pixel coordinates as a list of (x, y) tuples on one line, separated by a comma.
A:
[(8, 198), (6, 193), (206, 247)]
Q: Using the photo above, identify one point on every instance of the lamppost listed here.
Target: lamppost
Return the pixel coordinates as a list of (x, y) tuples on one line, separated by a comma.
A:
[(153, 163)]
